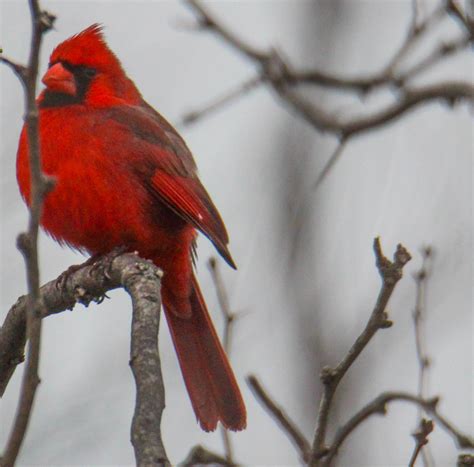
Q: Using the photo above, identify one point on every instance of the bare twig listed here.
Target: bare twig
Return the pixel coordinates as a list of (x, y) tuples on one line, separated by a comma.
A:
[(379, 406), (282, 418), (421, 438), (419, 313), (27, 241), (220, 102), (441, 51), (19, 70), (455, 9), (391, 273), (229, 319), (229, 315), (335, 156), (207, 21), (415, 33)]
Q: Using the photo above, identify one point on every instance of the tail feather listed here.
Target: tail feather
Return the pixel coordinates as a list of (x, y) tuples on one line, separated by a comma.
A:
[(211, 385)]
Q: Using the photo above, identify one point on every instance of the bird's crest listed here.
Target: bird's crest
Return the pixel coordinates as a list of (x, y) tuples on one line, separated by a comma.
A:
[(87, 48)]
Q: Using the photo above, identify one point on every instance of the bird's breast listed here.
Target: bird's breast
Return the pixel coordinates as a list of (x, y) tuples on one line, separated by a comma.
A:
[(98, 203)]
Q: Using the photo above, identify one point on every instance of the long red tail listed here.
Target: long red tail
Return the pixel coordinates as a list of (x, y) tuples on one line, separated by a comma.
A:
[(211, 385)]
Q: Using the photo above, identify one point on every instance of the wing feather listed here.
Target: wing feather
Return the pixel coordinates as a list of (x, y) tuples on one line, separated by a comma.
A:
[(162, 158)]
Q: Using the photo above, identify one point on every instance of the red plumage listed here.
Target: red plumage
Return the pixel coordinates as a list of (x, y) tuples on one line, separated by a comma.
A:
[(124, 177)]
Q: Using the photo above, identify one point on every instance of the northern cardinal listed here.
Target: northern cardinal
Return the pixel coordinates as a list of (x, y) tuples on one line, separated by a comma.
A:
[(125, 178)]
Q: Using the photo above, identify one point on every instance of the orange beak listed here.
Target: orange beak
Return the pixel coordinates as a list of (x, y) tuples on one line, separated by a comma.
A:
[(58, 79)]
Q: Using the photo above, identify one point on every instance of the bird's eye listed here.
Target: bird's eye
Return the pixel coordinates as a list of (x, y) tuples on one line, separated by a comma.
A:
[(89, 72)]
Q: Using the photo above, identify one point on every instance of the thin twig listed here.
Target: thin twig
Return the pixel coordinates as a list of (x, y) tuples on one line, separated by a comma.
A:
[(442, 51), (415, 33), (419, 313), (282, 418), (223, 299), (455, 9), (207, 21), (19, 70), (220, 102), (421, 438), (229, 319), (391, 273), (335, 156), (27, 241), (379, 406)]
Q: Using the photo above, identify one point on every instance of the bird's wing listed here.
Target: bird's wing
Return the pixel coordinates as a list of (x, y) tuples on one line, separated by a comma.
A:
[(161, 158)]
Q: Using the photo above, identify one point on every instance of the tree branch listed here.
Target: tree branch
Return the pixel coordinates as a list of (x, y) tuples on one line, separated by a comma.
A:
[(229, 320), (142, 282), (207, 21), (218, 103), (27, 241), (455, 9), (391, 273), (450, 92), (90, 283), (415, 32), (421, 280), (335, 156), (281, 417), (279, 74), (379, 406), (421, 438)]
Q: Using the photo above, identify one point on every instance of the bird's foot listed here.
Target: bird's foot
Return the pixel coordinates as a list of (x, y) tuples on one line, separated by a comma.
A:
[(64, 276)]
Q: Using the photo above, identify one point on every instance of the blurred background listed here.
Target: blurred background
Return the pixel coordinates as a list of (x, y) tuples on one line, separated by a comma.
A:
[(306, 280)]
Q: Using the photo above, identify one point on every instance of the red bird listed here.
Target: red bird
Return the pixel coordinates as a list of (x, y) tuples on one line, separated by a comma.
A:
[(125, 178)]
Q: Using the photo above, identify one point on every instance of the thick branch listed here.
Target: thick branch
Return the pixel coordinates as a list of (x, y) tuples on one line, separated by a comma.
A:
[(82, 285), (142, 282), (391, 273), (90, 283)]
